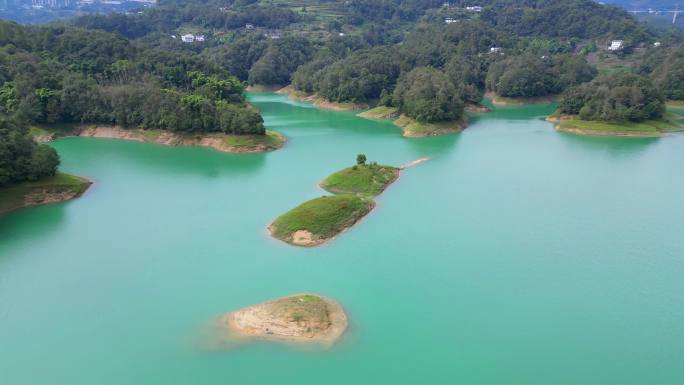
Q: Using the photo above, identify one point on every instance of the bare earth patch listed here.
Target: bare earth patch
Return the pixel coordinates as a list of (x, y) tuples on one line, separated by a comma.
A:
[(320, 101), (307, 318), (216, 141), (304, 238)]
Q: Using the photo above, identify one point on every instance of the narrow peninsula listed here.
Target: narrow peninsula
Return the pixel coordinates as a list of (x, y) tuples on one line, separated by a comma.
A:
[(320, 101), (246, 143), (414, 128), (618, 104), (316, 221), (52, 189), (307, 318), (29, 173)]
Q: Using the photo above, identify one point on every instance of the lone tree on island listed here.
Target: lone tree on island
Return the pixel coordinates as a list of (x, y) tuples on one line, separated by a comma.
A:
[(361, 159)]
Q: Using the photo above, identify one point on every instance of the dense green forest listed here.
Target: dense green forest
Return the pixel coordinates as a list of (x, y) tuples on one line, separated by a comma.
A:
[(358, 50), (21, 158), (533, 75), (617, 97), (67, 75)]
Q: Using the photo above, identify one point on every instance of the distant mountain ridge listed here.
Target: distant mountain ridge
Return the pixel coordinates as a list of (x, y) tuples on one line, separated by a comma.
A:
[(646, 4)]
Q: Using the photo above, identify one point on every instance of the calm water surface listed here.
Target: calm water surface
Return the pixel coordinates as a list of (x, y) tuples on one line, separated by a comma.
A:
[(516, 255)]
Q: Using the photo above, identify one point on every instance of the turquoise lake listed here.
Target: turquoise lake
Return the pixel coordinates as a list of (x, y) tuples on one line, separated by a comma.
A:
[(516, 255)]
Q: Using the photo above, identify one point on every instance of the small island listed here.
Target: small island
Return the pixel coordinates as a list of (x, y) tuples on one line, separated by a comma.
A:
[(316, 221), (370, 179), (308, 318), (619, 104)]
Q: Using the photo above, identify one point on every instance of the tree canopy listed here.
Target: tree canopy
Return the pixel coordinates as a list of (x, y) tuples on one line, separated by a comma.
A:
[(62, 74), (21, 158), (427, 95), (621, 96)]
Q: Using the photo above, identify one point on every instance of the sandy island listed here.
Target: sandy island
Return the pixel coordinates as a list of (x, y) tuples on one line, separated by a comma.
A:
[(307, 318)]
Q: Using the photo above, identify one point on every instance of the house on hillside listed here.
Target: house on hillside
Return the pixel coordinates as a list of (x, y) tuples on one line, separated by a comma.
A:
[(249, 26), (475, 8), (616, 45), (188, 38), (450, 20), (199, 38), (495, 50)]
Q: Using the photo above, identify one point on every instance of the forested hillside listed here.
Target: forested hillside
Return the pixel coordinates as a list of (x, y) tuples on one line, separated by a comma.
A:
[(63, 74), (428, 59)]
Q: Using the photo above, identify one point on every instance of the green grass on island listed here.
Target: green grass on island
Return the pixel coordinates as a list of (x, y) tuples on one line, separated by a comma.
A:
[(380, 112), (361, 179), (315, 221), (46, 190), (270, 140), (648, 128), (301, 308), (414, 128)]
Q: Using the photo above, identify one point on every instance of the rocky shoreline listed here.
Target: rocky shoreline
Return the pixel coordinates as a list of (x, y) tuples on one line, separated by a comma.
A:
[(217, 141), (321, 102), (56, 189)]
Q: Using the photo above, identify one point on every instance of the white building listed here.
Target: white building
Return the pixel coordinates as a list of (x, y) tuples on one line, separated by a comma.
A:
[(495, 50), (616, 45), (189, 38), (475, 8), (656, 44), (199, 38), (450, 20), (249, 26)]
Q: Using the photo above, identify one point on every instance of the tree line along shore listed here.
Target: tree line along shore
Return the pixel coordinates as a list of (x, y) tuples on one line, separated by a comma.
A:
[(422, 63)]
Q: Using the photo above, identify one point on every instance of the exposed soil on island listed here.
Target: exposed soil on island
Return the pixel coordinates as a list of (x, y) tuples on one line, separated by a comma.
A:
[(307, 318)]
